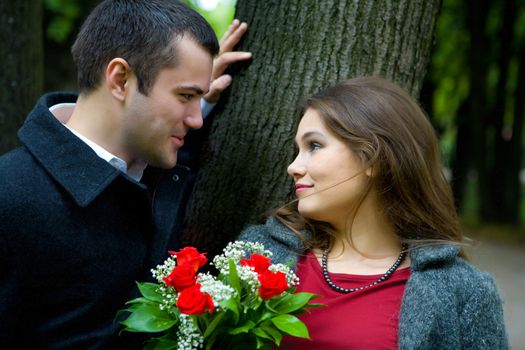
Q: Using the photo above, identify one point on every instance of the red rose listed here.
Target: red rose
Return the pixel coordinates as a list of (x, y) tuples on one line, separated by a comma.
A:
[(182, 276), (259, 262), (190, 255), (192, 301), (272, 284)]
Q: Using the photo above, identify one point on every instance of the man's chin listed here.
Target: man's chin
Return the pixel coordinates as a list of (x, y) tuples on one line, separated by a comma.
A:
[(164, 163)]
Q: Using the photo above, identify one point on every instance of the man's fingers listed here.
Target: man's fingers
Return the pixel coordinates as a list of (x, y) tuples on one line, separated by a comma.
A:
[(235, 23), (222, 82), (232, 38), (216, 87), (226, 59)]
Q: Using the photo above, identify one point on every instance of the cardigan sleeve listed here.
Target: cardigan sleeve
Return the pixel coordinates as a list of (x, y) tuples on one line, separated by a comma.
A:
[(482, 321)]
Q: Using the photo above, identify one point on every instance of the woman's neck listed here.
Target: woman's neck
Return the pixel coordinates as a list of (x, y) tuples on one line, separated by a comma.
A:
[(365, 244)]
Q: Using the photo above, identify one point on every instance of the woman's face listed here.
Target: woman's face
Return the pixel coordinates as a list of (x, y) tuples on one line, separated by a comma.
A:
[(329, 178)]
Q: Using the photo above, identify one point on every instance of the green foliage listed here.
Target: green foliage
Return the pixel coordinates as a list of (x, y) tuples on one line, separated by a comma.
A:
[(448, 71), (243, 320), (219, 16), (64, 13), (145, 314), (258, 322)]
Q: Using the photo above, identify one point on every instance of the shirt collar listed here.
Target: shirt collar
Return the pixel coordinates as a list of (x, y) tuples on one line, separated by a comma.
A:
[(68, 160), (135, 171)]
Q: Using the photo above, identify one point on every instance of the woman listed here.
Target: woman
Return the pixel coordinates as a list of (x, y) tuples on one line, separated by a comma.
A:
[(374, 230)]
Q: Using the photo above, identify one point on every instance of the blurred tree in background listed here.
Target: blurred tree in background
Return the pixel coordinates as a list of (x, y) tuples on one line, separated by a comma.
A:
[(21, 65), (477, 88), (474, 91)]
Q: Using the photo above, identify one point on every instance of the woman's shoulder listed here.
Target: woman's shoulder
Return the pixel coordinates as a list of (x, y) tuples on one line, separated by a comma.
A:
[(276, 237), (442, 267), (271, 230)]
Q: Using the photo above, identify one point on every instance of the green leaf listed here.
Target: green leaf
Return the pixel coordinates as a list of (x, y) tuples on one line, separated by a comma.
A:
[(291, 325), (213, 324), (245, 328), (232, 305), (273, 332), (292, 302), (148, 318), (163, 343), (234, 278), (261, 333), (140, 300), (260, 343), (313, 305), (149, 291)]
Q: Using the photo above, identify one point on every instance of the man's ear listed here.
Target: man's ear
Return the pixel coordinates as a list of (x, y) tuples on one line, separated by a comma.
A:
[(118, 72)]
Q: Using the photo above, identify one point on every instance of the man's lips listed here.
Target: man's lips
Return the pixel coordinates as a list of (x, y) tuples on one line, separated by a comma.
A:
[(179, 140)]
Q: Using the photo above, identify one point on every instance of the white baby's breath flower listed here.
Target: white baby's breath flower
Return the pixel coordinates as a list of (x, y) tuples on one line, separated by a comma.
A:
[(236, 251), (165, 269), (291, 277), (248, 275), (215, 288), (169, 298), (188, 335)]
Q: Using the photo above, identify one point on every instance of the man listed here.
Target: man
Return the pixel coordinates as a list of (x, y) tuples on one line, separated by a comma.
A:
[(79, 223)]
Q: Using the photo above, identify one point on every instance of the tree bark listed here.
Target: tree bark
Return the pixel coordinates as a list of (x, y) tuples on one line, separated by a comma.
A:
[(299, 46), (21, 62)]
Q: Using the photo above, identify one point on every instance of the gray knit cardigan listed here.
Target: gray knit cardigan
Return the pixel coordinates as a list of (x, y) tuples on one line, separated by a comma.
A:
[(447, 303)]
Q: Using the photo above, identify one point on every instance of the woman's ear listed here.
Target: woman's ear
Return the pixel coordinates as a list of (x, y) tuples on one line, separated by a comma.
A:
[(117, 74), (369, 171)]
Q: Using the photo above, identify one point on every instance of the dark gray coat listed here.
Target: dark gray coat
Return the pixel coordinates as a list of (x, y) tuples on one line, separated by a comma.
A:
[(75, 235), (448, 303)]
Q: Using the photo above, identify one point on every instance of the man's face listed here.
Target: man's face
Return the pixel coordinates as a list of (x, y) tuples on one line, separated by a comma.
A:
[(154, 126)]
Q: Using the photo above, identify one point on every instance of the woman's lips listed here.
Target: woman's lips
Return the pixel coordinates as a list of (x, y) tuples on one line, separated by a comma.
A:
[(301, 188)]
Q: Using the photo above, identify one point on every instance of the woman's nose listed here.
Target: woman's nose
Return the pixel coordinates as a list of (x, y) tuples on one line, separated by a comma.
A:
[(297, 167)]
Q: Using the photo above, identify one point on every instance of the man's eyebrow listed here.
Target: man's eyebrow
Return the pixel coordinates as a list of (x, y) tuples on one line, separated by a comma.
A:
[(194, 88)]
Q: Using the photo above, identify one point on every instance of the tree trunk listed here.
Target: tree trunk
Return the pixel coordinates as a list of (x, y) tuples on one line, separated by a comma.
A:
[(299, 46), (498, 206), (470, 140), (21, 66), (514, 188)]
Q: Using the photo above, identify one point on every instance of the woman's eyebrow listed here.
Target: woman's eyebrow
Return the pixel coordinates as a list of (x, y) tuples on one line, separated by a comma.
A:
[(309, 134)]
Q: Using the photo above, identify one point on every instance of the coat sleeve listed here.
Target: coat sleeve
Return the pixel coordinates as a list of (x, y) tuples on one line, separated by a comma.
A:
[(482, 321), (9, 306)]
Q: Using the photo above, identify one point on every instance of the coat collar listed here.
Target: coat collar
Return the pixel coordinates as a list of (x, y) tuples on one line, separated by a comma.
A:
[(426, 256), (67, 159)]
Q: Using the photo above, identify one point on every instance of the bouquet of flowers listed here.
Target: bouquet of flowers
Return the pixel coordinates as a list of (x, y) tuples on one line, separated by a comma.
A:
[(250, 305)]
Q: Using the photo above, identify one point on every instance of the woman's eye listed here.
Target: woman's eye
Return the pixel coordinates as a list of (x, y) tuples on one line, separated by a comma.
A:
[(314, 146)]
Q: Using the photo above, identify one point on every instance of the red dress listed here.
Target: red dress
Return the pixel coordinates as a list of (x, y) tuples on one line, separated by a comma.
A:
[(365, 319)]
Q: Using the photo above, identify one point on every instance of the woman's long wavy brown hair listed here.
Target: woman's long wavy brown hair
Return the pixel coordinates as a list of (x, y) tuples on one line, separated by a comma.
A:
[(389, 132)]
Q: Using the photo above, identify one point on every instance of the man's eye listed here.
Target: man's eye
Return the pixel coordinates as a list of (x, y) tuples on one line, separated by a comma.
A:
[(187, 97)]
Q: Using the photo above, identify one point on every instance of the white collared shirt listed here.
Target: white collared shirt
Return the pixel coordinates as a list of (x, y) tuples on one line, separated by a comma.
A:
[(135, 171)]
